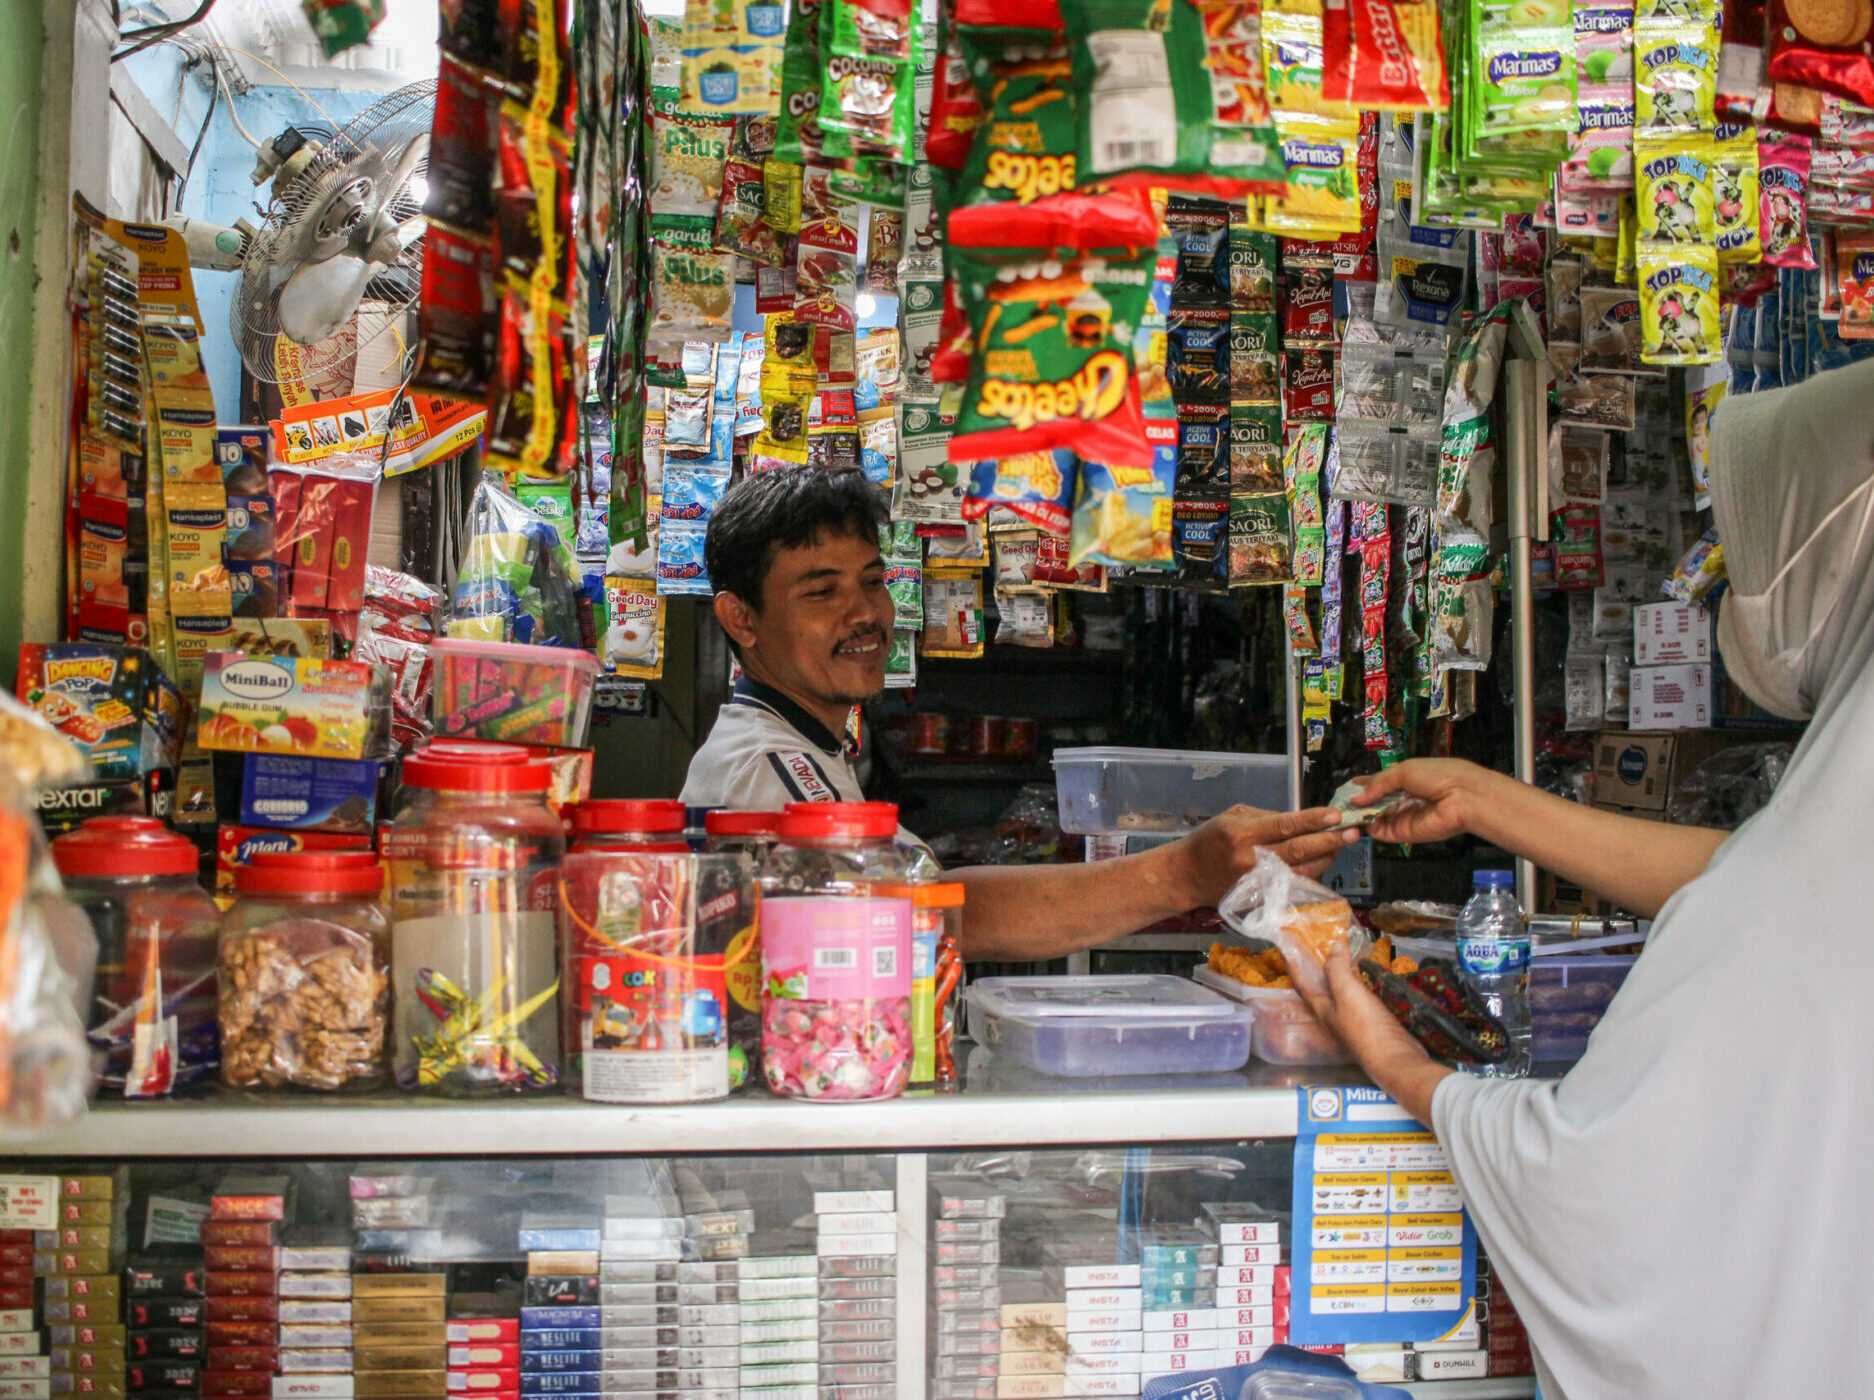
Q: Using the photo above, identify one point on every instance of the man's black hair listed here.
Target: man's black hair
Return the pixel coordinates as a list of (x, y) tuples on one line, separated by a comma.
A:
[(785, 509)]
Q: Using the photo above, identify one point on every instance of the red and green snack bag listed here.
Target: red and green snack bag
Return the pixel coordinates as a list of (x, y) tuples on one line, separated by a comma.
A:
[(1027, 146), (797, 138), (1064, 225), (867, 92), (1051, 359), (1147, 105), (955, 109)]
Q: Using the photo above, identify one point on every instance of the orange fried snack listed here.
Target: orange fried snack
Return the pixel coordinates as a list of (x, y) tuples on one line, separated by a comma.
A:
[(1264, 969), (1322, 926)]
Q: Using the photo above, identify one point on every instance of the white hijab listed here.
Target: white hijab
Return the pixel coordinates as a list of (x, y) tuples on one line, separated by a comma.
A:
[(1683, 1213)]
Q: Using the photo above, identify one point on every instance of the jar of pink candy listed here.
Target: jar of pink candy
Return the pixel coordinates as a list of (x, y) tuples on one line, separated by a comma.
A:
[(836, 954)]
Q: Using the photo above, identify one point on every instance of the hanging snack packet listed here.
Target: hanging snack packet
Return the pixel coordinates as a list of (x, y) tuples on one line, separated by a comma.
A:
[(1675, 198), (741, 224), (953, 616), (687, 158), (1051, 359), (1602, 155), (1604, 42), (904, 575), (869, 90), (1292, 64), (1674, 78), (1322, 197), (1735, 197), (1147, 101), (797, 138), (955, 109), (827, 265), (1525, 77), (634, 634), (1783, 186), (1679, 305), (1854, 254), (1261, 548), (1822, 45), (1036, 488), (1028, 143), (1200, 540), (692, 288), (1610, 330), (1384, 55), (1122, 515)]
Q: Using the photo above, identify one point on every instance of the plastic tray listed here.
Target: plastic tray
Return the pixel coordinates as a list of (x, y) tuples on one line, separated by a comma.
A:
[(512, 693), (1285, 1031), (1117, 1025), (1105, 790), (1568, 995)]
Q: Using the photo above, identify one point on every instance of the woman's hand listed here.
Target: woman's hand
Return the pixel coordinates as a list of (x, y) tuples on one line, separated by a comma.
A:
[(1442, 799), (1385, 1049)]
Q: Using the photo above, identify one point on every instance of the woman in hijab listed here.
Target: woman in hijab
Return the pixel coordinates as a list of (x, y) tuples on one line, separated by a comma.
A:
[(1685, 1212)]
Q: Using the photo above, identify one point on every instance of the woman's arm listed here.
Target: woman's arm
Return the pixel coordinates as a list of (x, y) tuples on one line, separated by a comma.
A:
[(1637, 864), (1385, 1049)]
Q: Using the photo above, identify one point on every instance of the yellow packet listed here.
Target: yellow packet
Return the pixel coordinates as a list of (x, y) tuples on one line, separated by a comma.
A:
[(1734, 192), (1624, 264), (1323, 195), (1676, 198), (1679, 304)]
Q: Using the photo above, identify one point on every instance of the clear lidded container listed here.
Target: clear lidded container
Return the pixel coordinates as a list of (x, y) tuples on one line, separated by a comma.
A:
[(836, 954), (152, 1002), (305, 973), (629, 824), (732, 832), (474, 870)]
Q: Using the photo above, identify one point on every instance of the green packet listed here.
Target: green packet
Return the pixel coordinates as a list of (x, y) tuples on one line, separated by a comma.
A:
[(1027, 146), (1148, 100), (904, 575), (1528, 81), (868, 92), (797, 135)]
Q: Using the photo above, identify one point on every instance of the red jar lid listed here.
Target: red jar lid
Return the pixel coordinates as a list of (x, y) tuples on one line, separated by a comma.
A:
[(124, 847), (460, 765), (724, 822), (610, 814), (823, 819), (311, 872)]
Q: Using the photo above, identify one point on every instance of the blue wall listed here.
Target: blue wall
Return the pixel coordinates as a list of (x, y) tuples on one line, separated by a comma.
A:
[(219, 189)]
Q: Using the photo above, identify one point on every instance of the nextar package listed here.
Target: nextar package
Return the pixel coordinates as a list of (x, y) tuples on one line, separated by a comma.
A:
[(121, 712)]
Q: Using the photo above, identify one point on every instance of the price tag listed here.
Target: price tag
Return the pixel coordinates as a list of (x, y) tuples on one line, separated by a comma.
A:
[(29, 1202)]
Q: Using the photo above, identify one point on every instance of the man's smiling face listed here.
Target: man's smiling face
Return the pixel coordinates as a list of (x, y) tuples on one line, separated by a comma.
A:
[(825, 622)]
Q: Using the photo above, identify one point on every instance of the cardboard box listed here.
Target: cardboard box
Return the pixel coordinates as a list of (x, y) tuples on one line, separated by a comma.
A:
[(1666, 634), (1691, 696), (114, 703), (301, 707), (1638, 772)]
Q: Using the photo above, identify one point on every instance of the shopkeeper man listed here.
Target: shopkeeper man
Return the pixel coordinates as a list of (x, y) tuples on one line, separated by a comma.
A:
[(800, 591)]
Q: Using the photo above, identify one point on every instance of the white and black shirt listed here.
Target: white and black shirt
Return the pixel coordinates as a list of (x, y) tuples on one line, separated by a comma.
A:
[(767, 751)]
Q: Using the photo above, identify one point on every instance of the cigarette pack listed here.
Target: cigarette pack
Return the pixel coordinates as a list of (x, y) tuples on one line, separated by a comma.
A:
[(1243, 1338), (1031, 1387), (87, 1212), (240, 1309), (560, 1290), (152, 1342), (89, 1334), (163, 1312), (561, 1339), (777, 1266), (873, 1222), (558, 1234), (844, 1333), (752, 1290), (249, 1232), (1114, 1363), (104, 1286), (243, 1256), (637, 1271), (965, 1275), (483, 1329), (704, 1224), (20, 1343), (303, 1310), (638, 1295), (640, 1315), (848, 1245), (313, 1334), (237, 1284), (858, 1266), (987, 1320), (1168, 1278), (64, 1237), (1271, 1314), (1258, 1296), (262, 1358), (848, 1289), (856, 1309), (836, 1202), (979, 1252), (400, 1285), (325, 1287), (256, 1197), (237, 1383), (1104, 1343), (709, 1270), (796, 1373), (1249, 1232), (1088, 1299), (313, 1388), (330, 1258), (399, 1310), (485, 1354), (26, 1389), (858, 1373), (1246, 1275), (1239, 1254), (619, 1259), (1048, 1314), (771, 1310), (550, 1262), (402, 1385), (163, 1375), (966, 1367), (483, 1379), (770, 1353), (1104, 1319), (547, 1318), (72, 1261), (584, 1359), (1159, 1299), (1126, 1384), (1210, 1339), (959, 1204), (1034, 1363), (78, 1309), (561, 1383), (25, 1368), (401, 1356), (980, 1228), (390, 1212)]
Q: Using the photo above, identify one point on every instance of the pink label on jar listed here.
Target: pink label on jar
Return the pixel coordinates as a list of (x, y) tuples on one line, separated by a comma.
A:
[(830, 948)]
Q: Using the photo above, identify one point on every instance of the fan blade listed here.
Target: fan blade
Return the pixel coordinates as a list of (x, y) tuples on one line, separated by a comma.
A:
[(389, 245), (319, 298), (415, 153)]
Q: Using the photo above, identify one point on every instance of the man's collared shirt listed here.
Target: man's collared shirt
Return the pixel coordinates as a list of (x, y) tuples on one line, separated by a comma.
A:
[(766, 751)]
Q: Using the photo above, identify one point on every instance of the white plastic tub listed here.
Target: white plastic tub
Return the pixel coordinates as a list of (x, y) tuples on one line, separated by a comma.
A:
[(1104, 790), (1126, 1024)]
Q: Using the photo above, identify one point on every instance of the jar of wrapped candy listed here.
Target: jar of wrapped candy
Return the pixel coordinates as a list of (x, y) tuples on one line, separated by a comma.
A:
[(751, 834), (629, 824), (305, 973), (836, 954), (152, 1005), (474, 861)]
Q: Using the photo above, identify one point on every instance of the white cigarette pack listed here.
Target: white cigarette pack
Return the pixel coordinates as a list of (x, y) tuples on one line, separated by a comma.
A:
[(1180, 1320), (1245, 1276), (1251, 1254), (1103, 1319), (314, 1387), (1452, 1365), (1100, 1275), (834, 1245), (1127, 1384), (1104, 1343), (1083, 1299), (871, 1222), (833, 1202)]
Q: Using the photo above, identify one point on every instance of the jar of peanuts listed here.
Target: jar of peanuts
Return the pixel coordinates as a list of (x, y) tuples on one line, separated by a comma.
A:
[(305, 973)]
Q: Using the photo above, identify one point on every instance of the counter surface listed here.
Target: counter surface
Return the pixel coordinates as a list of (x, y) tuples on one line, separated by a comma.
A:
[(997, 1106)]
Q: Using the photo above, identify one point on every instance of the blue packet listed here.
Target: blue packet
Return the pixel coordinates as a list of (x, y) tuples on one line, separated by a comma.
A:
[(308, 794), (692, 492), (682, 567)]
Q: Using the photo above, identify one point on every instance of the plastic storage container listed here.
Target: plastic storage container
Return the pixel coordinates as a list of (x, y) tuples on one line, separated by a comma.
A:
[(836, 954), (1128, 1024), (629, 824), (152, 1000), (305, 973), (1286, 1031), (1106, 790), (510, 693), (1568, 995), (659, 956), (731, 832), (474, 874)]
